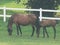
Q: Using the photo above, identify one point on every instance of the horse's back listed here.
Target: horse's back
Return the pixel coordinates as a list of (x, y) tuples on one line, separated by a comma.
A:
[(20, 18), (24, 19), (48, 23)]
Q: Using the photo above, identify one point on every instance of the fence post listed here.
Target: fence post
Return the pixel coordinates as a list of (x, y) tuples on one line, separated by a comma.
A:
[(4, 14), (40, 14)]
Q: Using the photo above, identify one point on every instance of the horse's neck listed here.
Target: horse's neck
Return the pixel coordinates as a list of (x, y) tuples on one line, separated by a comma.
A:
[(10, 23)]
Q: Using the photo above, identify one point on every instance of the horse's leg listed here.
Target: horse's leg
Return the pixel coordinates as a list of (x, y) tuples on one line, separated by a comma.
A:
[(33, 31), (20, 30), (38, 30), (54, 32), (17, 29), (37, 26), (44, 30)]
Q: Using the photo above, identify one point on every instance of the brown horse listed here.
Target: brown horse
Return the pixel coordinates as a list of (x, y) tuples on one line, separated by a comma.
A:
[(22, 19), (48, 23)]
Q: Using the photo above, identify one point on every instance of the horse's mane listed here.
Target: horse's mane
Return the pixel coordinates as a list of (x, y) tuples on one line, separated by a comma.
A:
[(10, 21)]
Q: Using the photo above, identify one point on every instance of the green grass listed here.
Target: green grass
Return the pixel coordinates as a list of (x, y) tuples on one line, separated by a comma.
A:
[(26, 39), (12, 4)]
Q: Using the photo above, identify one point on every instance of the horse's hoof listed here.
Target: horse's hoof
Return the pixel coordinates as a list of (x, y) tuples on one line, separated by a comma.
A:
[(48, 37), (31, 35), (43, 36), (21, 35), (37, 36), (54, 38)]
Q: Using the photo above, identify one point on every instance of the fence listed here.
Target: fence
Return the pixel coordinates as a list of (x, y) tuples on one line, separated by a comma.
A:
[(40, 10)]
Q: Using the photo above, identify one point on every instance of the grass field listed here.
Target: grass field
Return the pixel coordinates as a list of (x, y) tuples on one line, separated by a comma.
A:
[(26, 39)]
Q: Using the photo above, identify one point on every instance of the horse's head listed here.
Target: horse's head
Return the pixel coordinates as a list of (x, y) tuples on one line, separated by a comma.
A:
[(9, 31), (10, 26)]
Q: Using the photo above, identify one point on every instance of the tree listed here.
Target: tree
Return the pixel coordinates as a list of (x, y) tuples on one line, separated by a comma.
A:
[(17, 1), (44, 4)]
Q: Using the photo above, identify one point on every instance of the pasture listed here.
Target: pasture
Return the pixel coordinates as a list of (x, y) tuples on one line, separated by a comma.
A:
[(26, 38)]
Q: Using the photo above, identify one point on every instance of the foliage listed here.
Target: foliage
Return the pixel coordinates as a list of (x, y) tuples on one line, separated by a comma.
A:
[(44, 4), (18, 1), (12, 4)]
